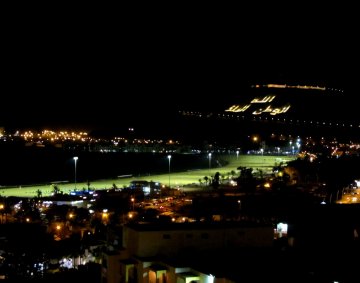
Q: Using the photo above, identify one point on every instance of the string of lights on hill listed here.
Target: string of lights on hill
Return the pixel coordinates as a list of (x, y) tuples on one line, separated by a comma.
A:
[(300, 105)]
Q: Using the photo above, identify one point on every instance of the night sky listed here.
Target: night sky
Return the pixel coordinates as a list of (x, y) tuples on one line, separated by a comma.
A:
[(103, 74)]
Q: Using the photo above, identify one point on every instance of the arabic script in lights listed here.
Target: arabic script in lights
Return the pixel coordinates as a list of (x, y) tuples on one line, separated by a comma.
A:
[(265, 99), (272, 111), (238, 108)]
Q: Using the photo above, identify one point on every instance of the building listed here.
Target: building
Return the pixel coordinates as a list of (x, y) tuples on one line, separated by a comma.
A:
[(168, 253), (145, 187)]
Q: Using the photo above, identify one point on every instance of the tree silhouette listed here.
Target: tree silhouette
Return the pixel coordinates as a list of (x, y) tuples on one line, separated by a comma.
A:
[(216, 180), (56, 190), (38, 193), (246, 180)]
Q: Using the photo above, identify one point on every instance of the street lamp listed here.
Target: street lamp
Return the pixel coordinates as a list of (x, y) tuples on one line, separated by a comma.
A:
[(75, 159), (169, 157), (239, 203), (237, 154), (298, 145), (209, 161), (133, 203)]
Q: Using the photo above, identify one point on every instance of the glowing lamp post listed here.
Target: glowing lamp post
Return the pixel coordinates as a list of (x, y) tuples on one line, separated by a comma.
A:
[(209, 161), (237, 154), (133, 203), (169, 157), (75, 160)]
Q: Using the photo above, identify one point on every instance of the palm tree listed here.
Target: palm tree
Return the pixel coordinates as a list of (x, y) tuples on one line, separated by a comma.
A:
[(216, 180), (56, 190), (38, 193)]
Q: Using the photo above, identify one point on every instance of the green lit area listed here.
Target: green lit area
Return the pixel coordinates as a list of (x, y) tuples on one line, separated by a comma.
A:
[(187, 180)]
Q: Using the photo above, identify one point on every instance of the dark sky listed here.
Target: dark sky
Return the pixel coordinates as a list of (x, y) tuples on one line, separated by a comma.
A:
[(99, 72)]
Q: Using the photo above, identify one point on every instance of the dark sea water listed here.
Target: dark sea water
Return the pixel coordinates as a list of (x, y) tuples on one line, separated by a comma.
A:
[(31, 165)]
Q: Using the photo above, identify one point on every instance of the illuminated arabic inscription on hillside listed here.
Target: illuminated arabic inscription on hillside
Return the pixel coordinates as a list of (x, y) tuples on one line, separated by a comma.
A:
[(272, 111), (238, 108), (269, 109), (266, 99)]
